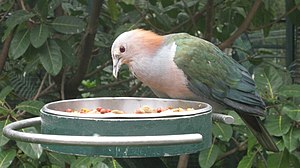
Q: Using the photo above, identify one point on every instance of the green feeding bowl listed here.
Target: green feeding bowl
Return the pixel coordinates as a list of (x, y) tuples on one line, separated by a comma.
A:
[(197, 124), (120, 135)]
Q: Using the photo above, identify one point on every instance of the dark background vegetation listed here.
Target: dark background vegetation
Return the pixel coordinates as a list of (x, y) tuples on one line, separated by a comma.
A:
[(60, 49)]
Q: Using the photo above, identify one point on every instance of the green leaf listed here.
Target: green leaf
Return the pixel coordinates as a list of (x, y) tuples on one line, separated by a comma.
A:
[(279, 160), (99, 162), (32, 59), (16, 18), (293, 16), (292, 111), (280, 145), (268, 81), (4, 110), (39, 35), (30, 149), (237, 118), (7, 157), (31, 106), (4, 92), (290, 90), (278, 125), (67, 52), (50, 57), (42, 8), (68, 24), (222, 131), (293, 159), (208, 157), (30, 165), (110, 162), (3, 139), (60, 159), (252, 141), (19, 44), (247, 161), (82, 162), (291, 141), (113, 9)]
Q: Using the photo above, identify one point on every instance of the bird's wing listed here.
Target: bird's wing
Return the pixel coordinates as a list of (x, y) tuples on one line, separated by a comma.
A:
[(213, 74)]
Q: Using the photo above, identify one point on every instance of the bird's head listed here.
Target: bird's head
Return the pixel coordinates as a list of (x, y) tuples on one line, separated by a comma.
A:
[(131, 45)]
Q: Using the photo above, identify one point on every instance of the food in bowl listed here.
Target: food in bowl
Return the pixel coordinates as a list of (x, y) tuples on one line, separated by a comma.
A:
[(142, 110)]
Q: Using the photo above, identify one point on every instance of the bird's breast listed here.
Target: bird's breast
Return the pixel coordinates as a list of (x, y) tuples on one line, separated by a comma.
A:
[(160, 73)]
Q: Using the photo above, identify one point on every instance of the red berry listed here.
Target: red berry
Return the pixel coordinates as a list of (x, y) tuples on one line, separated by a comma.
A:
[(159, 110), (99, 109), (69, 110), (102, 111), (108, 110)]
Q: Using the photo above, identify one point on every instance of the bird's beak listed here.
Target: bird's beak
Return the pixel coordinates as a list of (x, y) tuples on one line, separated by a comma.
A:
[(116, 66)]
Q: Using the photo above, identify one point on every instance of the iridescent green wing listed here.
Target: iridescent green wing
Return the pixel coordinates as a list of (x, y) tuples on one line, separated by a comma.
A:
[(213, 74)]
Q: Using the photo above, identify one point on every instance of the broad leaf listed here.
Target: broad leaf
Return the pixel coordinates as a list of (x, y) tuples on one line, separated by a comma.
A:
[(208, 157), (39, 35), (3, 139), (247, 161), (268, 81), (16, 18), (32, 59), (30, 149), (237, 118), (293, 159), (60, 159), (67, 52), (50, 57), (4, 92), (82, 162), (292, 111), (7, 157), (30, 165), (278, 125), (110, 162), (99, 162), (290, 90), (113, 9), (280, 144), (68, 25), (291, 139), (252, 141), (222, 131), (42, 8), (279, 160), (19, 44), (31, 106)]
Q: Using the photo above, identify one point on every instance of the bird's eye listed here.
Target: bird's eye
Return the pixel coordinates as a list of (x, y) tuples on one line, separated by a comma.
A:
[(122, 49)]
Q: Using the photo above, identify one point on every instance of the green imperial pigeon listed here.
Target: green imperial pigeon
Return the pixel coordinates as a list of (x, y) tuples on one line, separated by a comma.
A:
[(186, 67)]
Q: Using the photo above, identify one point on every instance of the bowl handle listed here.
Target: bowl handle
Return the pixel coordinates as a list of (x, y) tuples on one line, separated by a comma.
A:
[(10, 132), (226, 119)]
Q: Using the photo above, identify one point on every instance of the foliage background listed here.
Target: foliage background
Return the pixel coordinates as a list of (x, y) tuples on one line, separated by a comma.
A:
[(60, 49)]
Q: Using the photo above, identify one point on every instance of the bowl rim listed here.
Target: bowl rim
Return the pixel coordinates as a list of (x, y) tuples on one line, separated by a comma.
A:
[(45, 109)]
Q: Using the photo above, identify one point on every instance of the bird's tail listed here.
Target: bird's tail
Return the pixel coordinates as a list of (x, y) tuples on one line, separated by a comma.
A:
[(260, 132)]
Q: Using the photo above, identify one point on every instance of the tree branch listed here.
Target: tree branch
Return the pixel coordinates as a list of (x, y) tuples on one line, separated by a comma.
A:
[(240, 147), (112, 84), (134, 88), (5, 49), (98, 69), (277, 20), (41, 87), (85, 50), (243, 27), (209, 20)]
